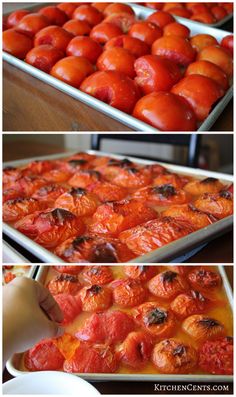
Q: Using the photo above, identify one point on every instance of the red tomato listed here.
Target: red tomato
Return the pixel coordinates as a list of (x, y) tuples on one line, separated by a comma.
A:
[(97, 274), (91, 359), (136, 350), (168, 6), (70, 306), (176, 29), (203, 17), (161, 195), (161, 19), (110, 327), (216, 357), (14, 210), (145, 31), (174, 48), (114, 88), (72, 70), (104, 31), (167, 285), (77, 28), (167, 178), (180, 12), (219, 12), (11, 174), (16, 44), (128, 176), (189, 213), (95, 298), (228, 43), (57, 176), (197, 8), (64, 284), (208, 69), (89, 14), (84, 178), (117, 8), (229, 7), (142, 272), (69, 269), (207, 185), (15, 17), (44, 57), (154, 6), (128, 292), (200, 41), (219, 56), (31, 24), (37, 167), (156, 74), (202, 279), (49, 193), (189, 303), (201, 327), (100, 6), (84, 47), (11, 194), (54, 15), (67, 8), (78, 201), (171, 356), (122, 20), (45, 356), (218, 205), (166, 112), (136, 47), (117, 59), (54, 35), (9, 277), (108, 192), (27, 185)]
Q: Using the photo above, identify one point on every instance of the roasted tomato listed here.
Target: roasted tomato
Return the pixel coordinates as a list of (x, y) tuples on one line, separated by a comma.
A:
[(156, 74), (18, 208), (161, 195), (167, 178), (69, 269), (127, 176), (45, 356), (78, 201), (142, 272), (216, 356), (11, 194), (157, 321), (161, 19), (208, 69), (117, 59), (218, 55), (64, 284), (74, 164), (91, 359), (114, 88), (44, 57), (204, 280), (84, 178), (188, 303), (110, 327), (202, 40), (77, 28), (128, 292), (207, 185), (110, 167), (10, 174), (37, 167), (104, 32), (117, 8), (72, 70), (84, 47), (135, 46), (9, 277), (31, 24), (176, 29), (172, 356), (15, 17), (122, 20), (145, 31), (27, 185), (136, 350), (166, 112), (108, 192), (113, 218), (49, 193), (167, 285), (55, 36), (54, 15), (154, 234), (16, 44), (51, 227), (201, 327), (67, 8), (89, 14), (228, 43), (70, 306), (57, 176), (218, 205), (176, 49), (95, 298), (190, 214), (98, 275)]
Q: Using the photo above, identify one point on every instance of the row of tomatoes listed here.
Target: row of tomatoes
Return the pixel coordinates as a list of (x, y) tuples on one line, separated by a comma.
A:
[(160, 303), (99, 209), (208, 13), (151, 69)]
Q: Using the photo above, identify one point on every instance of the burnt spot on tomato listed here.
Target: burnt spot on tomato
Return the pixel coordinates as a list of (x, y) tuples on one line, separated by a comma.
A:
[(168, 277), (94, 290), (77, 163), (47, 189), (80, 240), (209, 323), (103, 253), (67, 277), (197, 295), (21, 200), (132, 170), (155, 316), (94, 173), (77, 192), (9, 168), (225, 194), (179, 350), (59, 216), (209, 180), (120, 163), (166, 191)]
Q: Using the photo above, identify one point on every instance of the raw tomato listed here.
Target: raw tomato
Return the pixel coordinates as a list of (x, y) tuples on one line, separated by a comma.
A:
[(15, 17), (55, 36), (202, 40), (175, 48), (89, 14), (161, 19), (77, 28), (208, 69), (44, 58), (136, 47), (31, 24), (72, 70), (16, 43), (145, 31), (54, 15), (86, 47), (104, 32)]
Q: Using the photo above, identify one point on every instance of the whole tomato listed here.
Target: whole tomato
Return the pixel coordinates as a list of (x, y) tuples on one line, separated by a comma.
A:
[(180, 12), (123, 21), (72, 70), (15, 17), (145, 31), (136, 47), (117, 59), (44, 57), (105, 31), (166, 112), (54, 15), (31, 24), (117, 8), (77, 28), (204, 17), (219, 56), (89, 14), (161, 19), (228, 43), (208, 69), (174, 48), (54, 35), (200, 41), (67, 8), (85, 47), (219, 12), (176, 29), (16, 43)]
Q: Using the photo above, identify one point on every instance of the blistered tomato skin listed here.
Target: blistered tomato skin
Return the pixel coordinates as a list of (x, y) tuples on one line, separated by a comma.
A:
[(219, 205), (136, 350), (84, 47), (161, 195), (44, 57), (200, 327), (72, 70), (98, 275), (55, 36), (204, 280), (79, 201), (142, 272), (189, 303), (128, 292), (207, 185), (189, 213), (216, 357), (108, 192), (64, 284), (68, 269), (16, 43), (14, 210), (175, 48), (44, 356), (167, 285), (95, 298)]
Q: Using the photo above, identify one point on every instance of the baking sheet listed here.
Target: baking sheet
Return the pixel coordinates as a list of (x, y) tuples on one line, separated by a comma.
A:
[(124, 118), (13, 364), (10, 255), (167, 253)]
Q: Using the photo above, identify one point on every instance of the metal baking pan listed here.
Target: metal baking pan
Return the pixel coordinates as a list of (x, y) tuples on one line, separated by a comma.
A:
[(126, 119), (14, 363), (169, 252), (184, 20)]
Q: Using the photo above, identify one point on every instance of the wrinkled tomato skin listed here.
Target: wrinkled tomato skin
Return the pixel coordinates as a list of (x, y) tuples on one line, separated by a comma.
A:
[(104, 32), (202, 40), (171, 356), (77, 28), (27, 185), (166, 178), (219, 56), (114, 88), (108, 192), (117, 59), (131, 178), (190, 214), (142, 273), (14, 210), (44, 356), (204, 280), (69, 269), (84, 178), (156, 74), (228, 43), (176, 49), (15, 17), (84, 47), (72, 70), (216, 357), (70, 306), (200, 327), (145, 31), (55, 36), (89, 14), (16, 43), (166, 112), (128, 292), (136, 350), (91, 359), (78, 201), (54, 15), (209, 69), (200, 92), (95, 298), (64, 284), (57, 176), (49, 193), (167, 285), (176, 29), (158, 195), (98, 275), (11, 194), (187, 304), (161, 19), (207, 185), (44, 57), (31, 24), (219, 205), (117, 8), (109, 327), (135, 46)]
